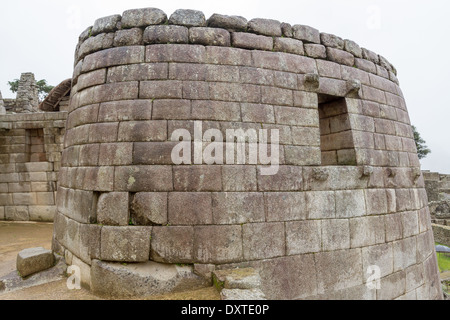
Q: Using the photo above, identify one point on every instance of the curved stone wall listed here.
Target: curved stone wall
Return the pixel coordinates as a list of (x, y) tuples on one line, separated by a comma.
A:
[(348, 193)]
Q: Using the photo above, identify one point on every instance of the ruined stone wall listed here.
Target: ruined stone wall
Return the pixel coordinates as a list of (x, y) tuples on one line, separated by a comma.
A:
[(30, 158), (437, 185), (438, 191), (349, 192)]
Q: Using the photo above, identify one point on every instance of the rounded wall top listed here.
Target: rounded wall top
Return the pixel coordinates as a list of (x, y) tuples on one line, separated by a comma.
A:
[(152, 26)]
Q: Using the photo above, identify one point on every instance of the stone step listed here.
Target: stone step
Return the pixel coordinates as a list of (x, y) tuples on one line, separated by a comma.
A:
[(245, 278)]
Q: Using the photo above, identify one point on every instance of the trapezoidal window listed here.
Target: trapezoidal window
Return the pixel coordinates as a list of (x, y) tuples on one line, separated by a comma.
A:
[(35, 146), (336, 137)]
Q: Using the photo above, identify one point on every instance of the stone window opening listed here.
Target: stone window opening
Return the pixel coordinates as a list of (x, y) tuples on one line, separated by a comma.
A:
[(35, 145), (336, 136)]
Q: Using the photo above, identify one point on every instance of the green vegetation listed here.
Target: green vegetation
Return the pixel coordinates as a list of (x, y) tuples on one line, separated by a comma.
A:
[(422, 149), (443, 261), (43, 88)]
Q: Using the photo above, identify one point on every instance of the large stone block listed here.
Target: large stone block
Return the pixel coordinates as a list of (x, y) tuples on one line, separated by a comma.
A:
[(30, 261), (143, 17), (114, 57), (149, 208), (300, 282), (288, 178), (306, 33), (338, 270), (321, 205), (289, 45), (285, 206), (141, 72), (188, 18), (166, 34), (404, 253), (129, 37), (303, 237), (197, 178), (232, 23), (392, 286), (125, 244), (378, 255), (239, 178), (335, 234), (165, 244), (209, 36), (267, 27), (263, 240), (112, 209), (350, 203), (117, 280), (145, 131), (106, 24), (237, 207), (218, 244), (367, 231), (143, 179), (190, 208)]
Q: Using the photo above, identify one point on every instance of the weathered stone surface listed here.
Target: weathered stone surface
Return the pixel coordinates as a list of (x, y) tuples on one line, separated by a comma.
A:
[(263, 240), (330, 40), (129, 37), (241, 294), (370, 55), (353, 48), (149, 208), (125, 244), (14, 282), (165, 244), (310, 230), (315, 50), (267, 27), (209, 36), (289, 45), (345, 263), (303, 237), (218, 244), (340, 56), (106, 24), (143, 17), (231, 23), (251, 41), (306, 33), (112, 209), (30, 261), (237, 208), (188, 18), (190, 208), (240, 278), (286, 29), (166, 34), (118, 280)]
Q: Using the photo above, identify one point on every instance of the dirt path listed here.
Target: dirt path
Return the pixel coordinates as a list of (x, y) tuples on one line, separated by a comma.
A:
[(15, 237)]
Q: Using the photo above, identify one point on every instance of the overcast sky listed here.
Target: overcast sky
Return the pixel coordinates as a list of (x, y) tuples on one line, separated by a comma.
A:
[(40, 37)]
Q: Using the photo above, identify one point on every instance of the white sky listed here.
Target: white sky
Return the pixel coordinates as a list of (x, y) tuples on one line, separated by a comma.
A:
[(40, 37)]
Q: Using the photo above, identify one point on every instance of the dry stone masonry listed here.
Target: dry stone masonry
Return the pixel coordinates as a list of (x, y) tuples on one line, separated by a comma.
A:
[(30, 156), (349, 193)]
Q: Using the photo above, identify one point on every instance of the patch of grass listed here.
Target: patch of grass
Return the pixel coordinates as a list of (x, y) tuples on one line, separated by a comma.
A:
[(443, 261)]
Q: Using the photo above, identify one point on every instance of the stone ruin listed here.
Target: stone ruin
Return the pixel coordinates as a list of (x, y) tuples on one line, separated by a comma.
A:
[(349, 193), (31, 143)]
